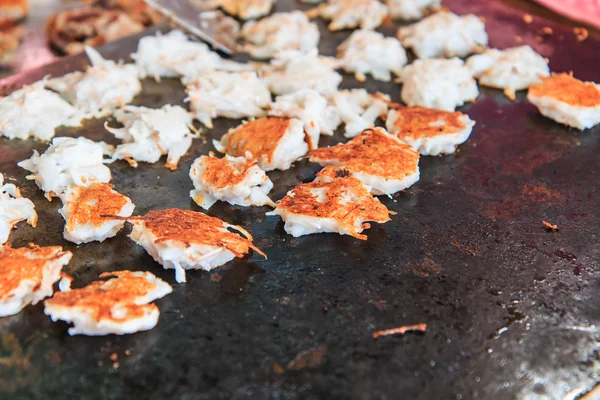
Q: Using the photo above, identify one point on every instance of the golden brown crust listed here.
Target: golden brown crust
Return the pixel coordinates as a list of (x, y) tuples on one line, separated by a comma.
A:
[(416, 122), (372, 152), (260, 137), (71, 30), (237, 7), (89, 204), (333, 172), (567, 89), (220, 174), (10, 38), (14, 10), (99, 298), (344, 199), (192, 227), (25, 263)]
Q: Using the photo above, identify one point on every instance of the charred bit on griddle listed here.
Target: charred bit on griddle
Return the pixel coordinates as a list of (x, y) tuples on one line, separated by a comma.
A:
[(342, 173), (401, 330), (551, 227), (581, 34)]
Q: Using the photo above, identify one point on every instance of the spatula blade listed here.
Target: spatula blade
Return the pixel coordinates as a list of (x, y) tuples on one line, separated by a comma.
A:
[(186, 15)]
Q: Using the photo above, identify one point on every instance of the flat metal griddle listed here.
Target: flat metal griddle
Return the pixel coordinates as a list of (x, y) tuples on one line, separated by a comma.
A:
[(510, 307)]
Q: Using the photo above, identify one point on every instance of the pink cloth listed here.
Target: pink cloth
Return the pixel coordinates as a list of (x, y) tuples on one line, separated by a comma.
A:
[(587, 11)]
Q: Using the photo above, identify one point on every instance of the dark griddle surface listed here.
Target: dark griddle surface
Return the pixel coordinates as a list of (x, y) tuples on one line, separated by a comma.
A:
[(509, 306)]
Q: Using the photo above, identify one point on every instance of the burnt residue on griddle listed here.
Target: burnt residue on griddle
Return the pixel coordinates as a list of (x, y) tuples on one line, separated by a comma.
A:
[(235, 278), (311, 358), (564, 255), (515, 316), (425, 269)]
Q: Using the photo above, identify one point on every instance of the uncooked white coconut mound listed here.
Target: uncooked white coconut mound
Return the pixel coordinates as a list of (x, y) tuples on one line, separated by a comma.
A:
[(291, 71), (160, 55), (350, 14), (567, 100), (236, 180), (173, 55), (119, 305), (428, 131), (408, 10), (442, 84), (87, 212), (101, 89), (312, 109), (359, 109), (68, 161), (14, 208), (511, 69), (183, 240), (148, 134), (35, 112), (279, 32), (227, 94), (275, 143), (444, 34), (28, 274), (369, 52)]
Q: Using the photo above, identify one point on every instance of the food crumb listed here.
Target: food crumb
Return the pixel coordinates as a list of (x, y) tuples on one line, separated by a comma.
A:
[(518, 39), (527, 18), (547, 30), (550, 226), (401, 330), (539, 39), (581, 34), (114, 356), (308, 359), (277, 368), (127, 352), (510, 93), (116, 365)]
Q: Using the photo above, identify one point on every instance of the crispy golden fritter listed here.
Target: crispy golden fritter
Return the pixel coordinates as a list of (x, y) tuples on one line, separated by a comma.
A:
[(138, 10), (25, 263), (192, 227), (564, 87), (73, 29), (91, 203), (260, 137), (373, 152), (220, 174), (13, 10), (341, 197), (10, 38), (99, 298), (417, 122)]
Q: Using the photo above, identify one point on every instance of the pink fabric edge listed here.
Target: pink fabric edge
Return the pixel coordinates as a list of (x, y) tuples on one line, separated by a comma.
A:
[(591, 19)]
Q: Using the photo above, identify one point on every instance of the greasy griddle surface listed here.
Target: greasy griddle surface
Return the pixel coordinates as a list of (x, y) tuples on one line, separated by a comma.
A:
[(508, 304)]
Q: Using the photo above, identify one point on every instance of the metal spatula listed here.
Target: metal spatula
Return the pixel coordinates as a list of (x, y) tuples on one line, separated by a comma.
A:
[(199, 19)]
